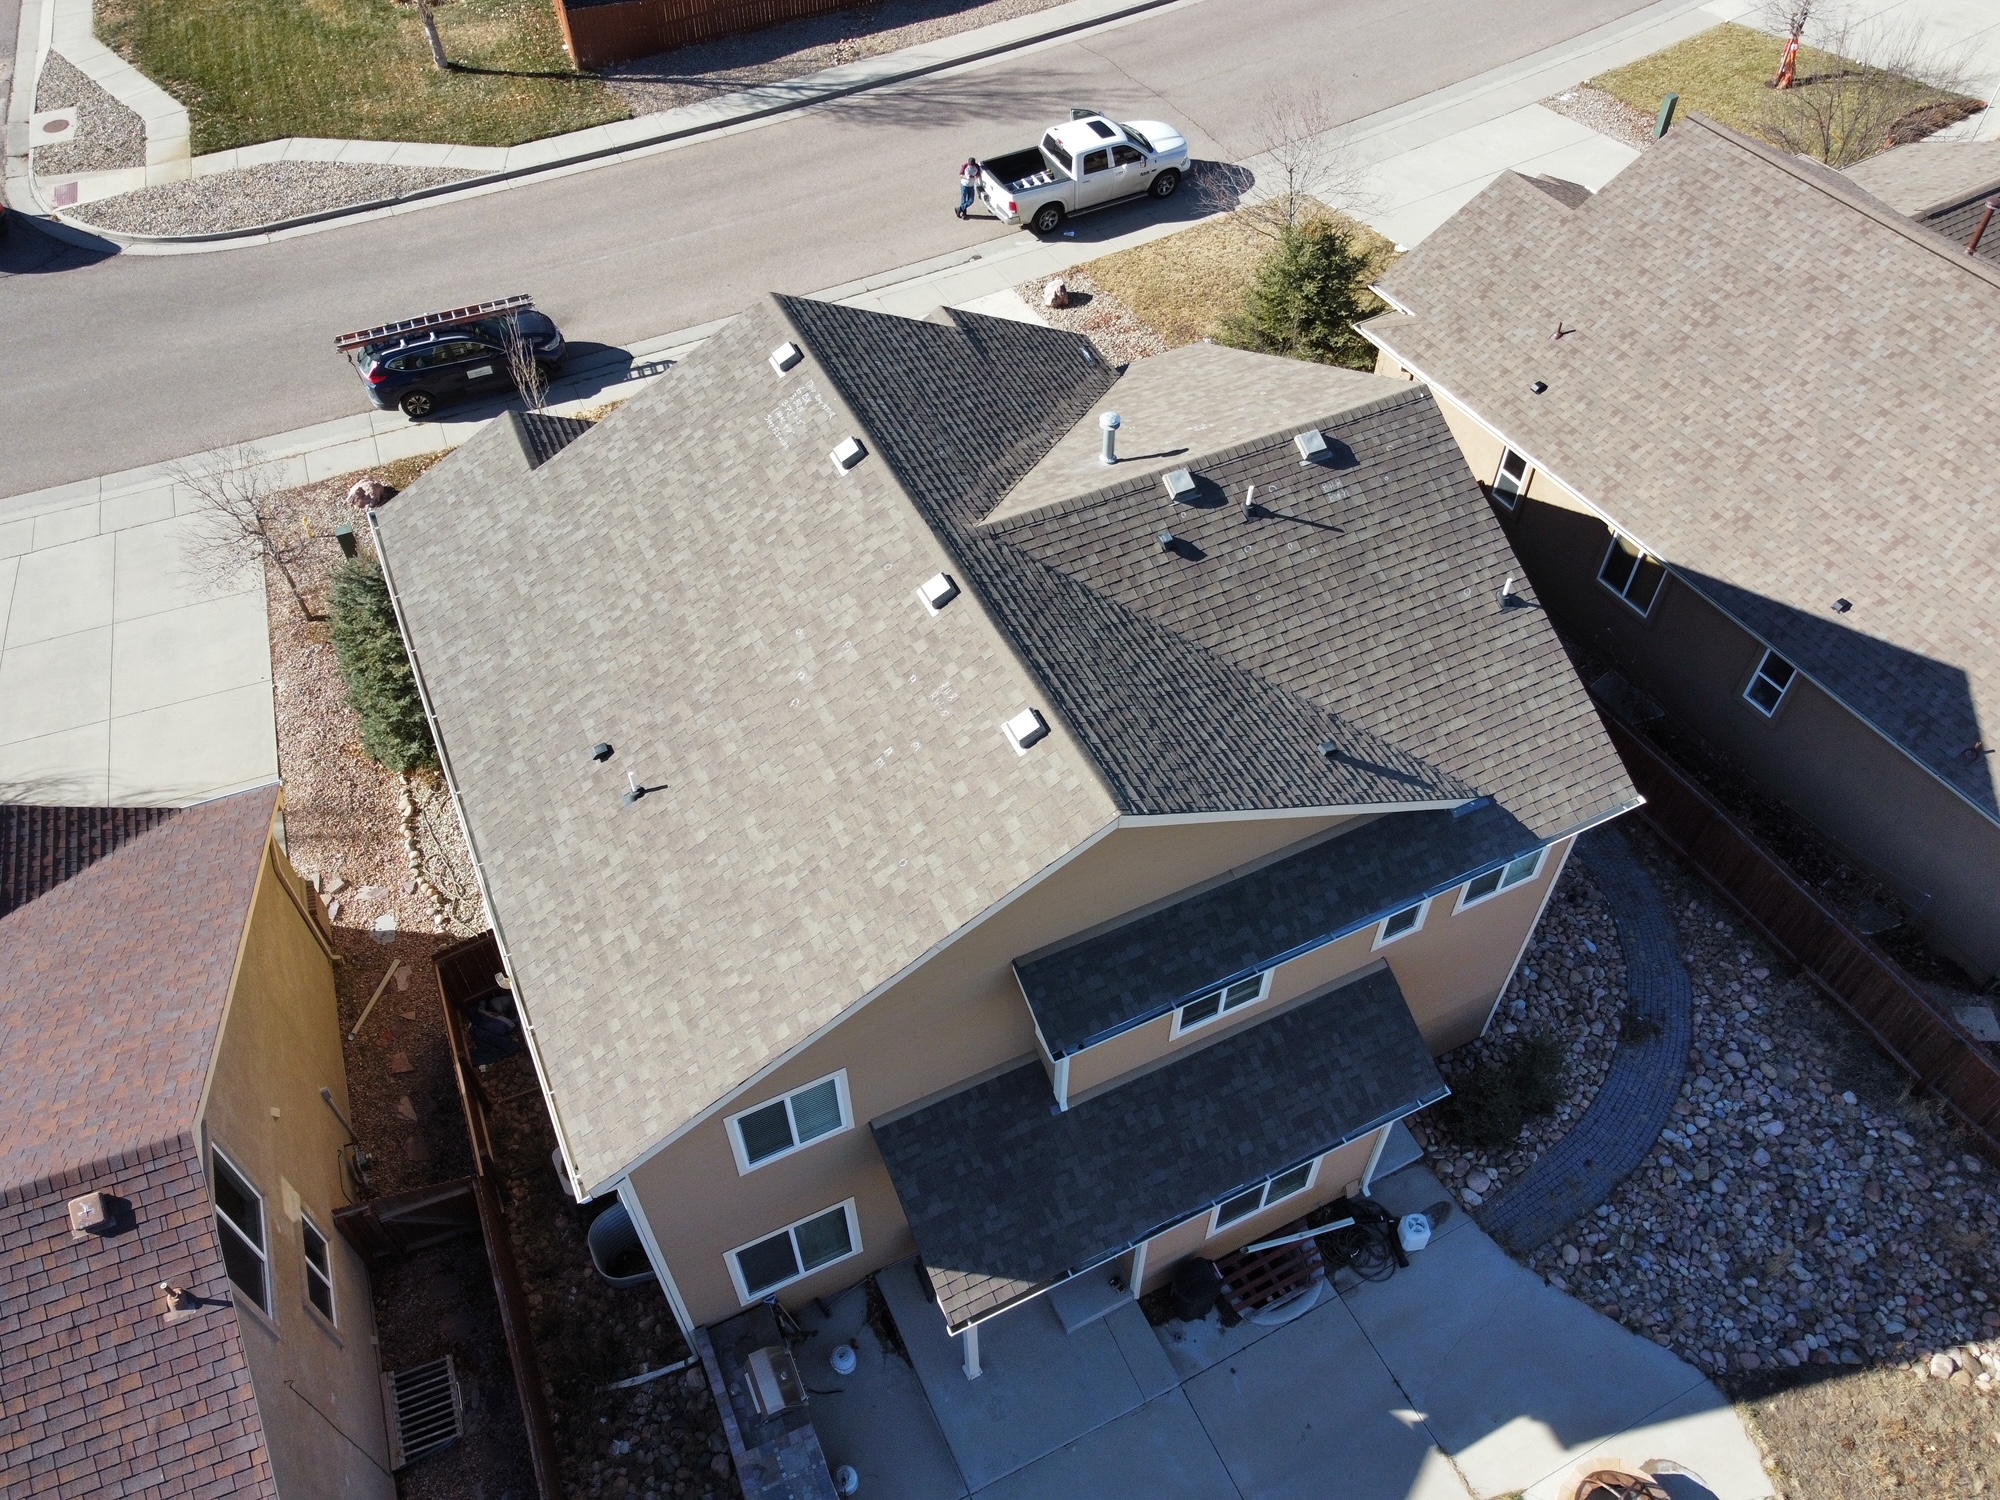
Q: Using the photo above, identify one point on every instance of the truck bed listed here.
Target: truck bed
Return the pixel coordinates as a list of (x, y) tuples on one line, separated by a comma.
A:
[(1019, 170)]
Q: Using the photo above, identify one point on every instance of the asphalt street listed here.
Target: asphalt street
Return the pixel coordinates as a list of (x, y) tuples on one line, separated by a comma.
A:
[(123, 360)]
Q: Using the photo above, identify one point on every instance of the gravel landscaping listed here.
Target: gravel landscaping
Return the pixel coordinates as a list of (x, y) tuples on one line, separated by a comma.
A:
[(1604, 113), (108, 135), (1097, 315), (250, 196), (688, 75)]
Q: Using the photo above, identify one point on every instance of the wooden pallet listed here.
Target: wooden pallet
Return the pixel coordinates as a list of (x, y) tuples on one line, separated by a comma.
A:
[(1251, 1283)]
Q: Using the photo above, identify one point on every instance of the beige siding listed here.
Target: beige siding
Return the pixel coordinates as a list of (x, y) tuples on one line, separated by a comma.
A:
[(280, 1044), (958, 1016)]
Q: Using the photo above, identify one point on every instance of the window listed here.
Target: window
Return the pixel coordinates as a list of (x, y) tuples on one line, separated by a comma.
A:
[(794, 1251), (1512, 481), (1101, 130), (1631, 574), (1501, 878), (319, 1269), (1767, 687), (1401, 923), (1263, 1195), (1095, 161), (239, 1218), (1053, 147), (1206, 1008), (1125, 156), (785, 1125)]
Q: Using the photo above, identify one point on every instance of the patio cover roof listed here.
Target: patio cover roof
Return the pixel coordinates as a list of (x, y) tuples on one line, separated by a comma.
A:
[(1006, 1198)]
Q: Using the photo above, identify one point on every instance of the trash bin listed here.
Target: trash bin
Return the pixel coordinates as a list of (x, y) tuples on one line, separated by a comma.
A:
[(1196, 1285), (615, 1249)]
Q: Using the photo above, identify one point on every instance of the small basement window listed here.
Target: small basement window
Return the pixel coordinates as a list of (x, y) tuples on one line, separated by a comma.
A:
[(1264, 1195), (791, 1122), (239, 1219), (319, 1269), (1631, 574), (1511, 482), (1769, 684), (1205, 1008), (1401, 924), (794, 1252), (1501, 878)]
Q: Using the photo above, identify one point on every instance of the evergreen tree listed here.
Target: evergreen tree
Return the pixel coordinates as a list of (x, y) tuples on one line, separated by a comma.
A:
[(381, 688), (1309, 293)]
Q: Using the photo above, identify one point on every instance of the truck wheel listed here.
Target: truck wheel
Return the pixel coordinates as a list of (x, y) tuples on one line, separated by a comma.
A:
[(1165, 183), (1048, 218), (417, 405)]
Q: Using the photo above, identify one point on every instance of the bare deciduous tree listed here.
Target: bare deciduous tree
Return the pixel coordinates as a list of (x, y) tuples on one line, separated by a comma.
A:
[(1884, 75), (233, 490), (429, 18), (1300, 167), (530, 378)]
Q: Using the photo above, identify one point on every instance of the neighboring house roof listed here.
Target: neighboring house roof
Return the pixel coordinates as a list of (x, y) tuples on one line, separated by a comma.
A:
[(1929, 174), (41, 847), (114, 986), (1005, 1197), (698, 584), (1769, 387)]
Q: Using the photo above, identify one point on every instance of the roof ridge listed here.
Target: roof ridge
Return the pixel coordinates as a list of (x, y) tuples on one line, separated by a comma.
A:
[(1855, 197), (179, 1143)]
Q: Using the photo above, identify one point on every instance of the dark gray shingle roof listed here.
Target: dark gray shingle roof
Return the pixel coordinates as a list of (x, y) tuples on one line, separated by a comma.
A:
[(1005, 1197)]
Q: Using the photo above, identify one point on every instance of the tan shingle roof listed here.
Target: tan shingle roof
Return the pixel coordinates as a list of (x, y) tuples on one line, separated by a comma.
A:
[(1775, 383), (1926, 174)]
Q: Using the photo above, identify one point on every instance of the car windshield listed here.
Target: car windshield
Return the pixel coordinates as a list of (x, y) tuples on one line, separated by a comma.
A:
[(1135, 138)]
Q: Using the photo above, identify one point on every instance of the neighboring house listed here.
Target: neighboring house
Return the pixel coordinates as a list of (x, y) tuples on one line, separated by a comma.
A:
[(1033, 870), (1946, 186), (167, 989), (1739, 420)]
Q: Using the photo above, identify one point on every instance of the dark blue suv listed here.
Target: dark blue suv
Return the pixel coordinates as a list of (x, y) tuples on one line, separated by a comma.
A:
[(424, 368)]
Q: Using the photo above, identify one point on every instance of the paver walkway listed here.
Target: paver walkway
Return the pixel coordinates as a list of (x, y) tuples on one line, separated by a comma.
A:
[(1625, 1119)]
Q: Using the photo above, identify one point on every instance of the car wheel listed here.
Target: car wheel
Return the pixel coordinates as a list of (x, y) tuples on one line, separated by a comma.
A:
[(1048, 218), (417, 404), (1165, 183)]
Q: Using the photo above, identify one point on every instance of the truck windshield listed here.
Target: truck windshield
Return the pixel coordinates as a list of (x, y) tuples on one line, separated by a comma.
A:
[(1137, 139), (1054, 148)]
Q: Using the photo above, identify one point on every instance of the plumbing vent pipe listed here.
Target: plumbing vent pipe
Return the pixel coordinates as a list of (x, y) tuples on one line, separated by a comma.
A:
[(1110, 422)]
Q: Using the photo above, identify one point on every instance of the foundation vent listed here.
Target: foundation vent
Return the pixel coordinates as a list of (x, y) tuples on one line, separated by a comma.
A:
[(426, 1410)]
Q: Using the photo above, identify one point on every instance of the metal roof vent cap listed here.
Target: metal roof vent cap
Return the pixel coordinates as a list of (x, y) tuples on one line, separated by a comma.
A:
[(848, 454), (1110, 422), (1311, 445), (1180, 486), (1026, 729), (937, 591), (785, 356)]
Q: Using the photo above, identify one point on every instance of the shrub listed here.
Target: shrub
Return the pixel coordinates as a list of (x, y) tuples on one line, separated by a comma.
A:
[(1309, 293), (381, 688), (1501, 1093)]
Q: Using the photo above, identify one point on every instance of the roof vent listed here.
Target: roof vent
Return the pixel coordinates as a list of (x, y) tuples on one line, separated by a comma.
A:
[(1167, 541), (785, 356), (1025, 729), (937, 591), (88, 1215), (1180, 486), (1311, 445), (429, 1410), (601, 752), (848, 454), (1110, 423)]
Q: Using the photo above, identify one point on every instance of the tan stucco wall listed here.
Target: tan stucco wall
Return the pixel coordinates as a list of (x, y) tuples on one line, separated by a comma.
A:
[(1482, 448), (960, 1015), (280, 1044)]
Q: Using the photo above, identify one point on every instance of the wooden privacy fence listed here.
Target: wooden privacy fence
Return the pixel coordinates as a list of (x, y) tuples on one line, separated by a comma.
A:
[(1917, 1035), (599, 36)]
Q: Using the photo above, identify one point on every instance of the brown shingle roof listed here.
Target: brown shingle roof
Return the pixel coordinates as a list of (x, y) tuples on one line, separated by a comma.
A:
[(41, 847), (1776, 384)]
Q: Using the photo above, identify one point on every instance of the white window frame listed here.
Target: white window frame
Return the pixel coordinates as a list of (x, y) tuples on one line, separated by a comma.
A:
[(1183, 1027), (1507, 490), (1760, 675), (1267, 1202), (749, 1298), (224, 1225), (745, 1166), (1383, 937), (1466, 898), (313, 1274), (1624, 595)]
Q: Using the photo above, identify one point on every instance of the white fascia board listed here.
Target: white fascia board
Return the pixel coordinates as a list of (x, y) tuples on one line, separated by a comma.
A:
[(1266, 814)]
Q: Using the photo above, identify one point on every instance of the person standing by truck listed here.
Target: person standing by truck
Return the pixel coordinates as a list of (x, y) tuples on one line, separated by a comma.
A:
[(968, 184)]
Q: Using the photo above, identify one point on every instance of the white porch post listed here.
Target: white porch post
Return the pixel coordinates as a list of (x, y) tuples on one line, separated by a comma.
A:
[(969, 1340)]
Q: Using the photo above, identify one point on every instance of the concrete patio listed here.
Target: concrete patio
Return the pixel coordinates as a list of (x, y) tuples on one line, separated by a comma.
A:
[(1465, 1375), (124, 678)]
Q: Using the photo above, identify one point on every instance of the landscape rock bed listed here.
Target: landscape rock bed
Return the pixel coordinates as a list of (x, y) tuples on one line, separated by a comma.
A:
[(108, 136), (251, 196), (1097, 315), (1604, 113)]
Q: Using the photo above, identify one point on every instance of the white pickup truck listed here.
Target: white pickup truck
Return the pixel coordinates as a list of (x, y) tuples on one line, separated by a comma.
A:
[(1087, 162)]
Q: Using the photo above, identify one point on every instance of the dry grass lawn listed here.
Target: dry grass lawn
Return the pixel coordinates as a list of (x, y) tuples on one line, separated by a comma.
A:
[(261, 70), (1881, 1432), (1186, 286)]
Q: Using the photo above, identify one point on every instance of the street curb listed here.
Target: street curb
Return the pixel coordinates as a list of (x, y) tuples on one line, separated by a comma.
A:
[(101, 238)]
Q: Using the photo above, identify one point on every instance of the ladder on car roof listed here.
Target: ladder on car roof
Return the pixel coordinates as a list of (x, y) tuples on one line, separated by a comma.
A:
[(361, 338)]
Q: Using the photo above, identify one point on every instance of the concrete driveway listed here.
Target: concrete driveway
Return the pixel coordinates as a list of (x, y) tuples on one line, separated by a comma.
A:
[(1464, 1376), (123, 677)]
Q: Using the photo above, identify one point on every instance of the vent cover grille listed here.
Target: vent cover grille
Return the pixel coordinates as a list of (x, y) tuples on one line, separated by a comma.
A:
[(426, 1410)]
